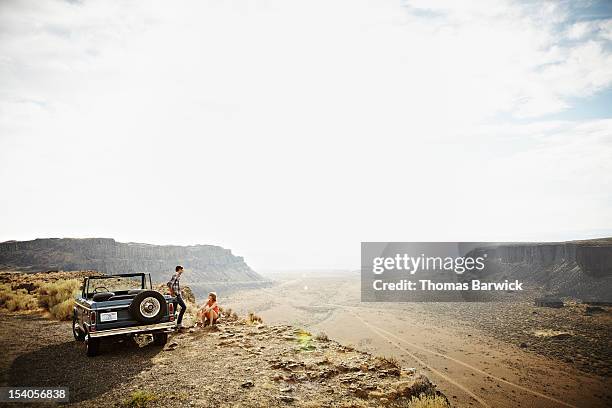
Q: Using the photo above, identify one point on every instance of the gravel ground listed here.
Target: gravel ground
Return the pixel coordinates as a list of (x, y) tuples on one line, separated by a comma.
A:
[(569, 333), (41, 352), (233, 364)]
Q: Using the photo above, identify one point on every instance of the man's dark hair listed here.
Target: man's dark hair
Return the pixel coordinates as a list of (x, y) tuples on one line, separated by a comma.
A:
[(178, 268)]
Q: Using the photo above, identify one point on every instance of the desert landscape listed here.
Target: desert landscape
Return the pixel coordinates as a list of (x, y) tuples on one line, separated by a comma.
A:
[(305, 337), (241, 361), (480, 354), (277, 203)]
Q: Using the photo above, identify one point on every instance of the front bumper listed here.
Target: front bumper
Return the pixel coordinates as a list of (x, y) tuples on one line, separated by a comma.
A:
[(167, 326)]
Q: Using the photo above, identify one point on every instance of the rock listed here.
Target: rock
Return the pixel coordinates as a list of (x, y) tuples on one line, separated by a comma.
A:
[(523, 345), (594, 309), (287, 398), (171, 346), (361, 393), (247, 384), (549, 302)]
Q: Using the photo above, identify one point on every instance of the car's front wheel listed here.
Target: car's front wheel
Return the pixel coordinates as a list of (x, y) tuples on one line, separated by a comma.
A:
[(93, 346), (160, 339), (76, 330)]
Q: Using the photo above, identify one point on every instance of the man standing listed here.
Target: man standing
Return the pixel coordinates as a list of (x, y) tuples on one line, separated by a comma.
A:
[(175, 290)]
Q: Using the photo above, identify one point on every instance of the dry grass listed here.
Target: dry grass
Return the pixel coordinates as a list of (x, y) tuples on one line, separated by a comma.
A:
[(54, 293), (58, 297), (16, 300), (252, 318), (140, 399), (63, 311), (304, 338), (428, 401), (389, 361), (228, 313)]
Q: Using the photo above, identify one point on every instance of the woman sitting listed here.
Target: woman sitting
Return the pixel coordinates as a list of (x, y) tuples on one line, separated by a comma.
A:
[(209, 313)]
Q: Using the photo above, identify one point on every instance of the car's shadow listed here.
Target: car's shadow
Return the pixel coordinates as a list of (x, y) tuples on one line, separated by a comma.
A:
[(66, 365)]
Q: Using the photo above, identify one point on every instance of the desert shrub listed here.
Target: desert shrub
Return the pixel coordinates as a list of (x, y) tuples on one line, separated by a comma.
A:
[(229, 314), (20, 300), (140, 399), (322, 336), (188, 295), (63, 311), (5, 293), (428, 401), (389, 361), (253, 318), (54, 293), (14, 300), (304, 338)]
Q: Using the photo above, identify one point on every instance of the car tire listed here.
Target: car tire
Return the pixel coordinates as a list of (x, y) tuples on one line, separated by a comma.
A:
[(93, 346), (160, 339), (149, 307), (78, 334)]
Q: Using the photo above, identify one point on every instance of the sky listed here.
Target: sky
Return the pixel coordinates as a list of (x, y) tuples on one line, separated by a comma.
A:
[(291, 131)]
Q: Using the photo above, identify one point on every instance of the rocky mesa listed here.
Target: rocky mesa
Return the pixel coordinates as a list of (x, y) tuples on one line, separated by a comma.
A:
[(209, 266), (575, 269)]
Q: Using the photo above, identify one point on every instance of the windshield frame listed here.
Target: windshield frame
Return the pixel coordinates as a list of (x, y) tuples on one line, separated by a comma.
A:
[(143, 281)]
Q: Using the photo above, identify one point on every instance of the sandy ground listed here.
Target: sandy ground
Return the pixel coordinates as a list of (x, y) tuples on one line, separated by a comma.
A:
[(473, 367)]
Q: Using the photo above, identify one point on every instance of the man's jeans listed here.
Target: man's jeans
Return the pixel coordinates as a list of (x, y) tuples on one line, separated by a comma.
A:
[(181, 303)]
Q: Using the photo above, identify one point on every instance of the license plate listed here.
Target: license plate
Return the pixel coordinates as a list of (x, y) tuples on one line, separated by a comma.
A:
[(108, 317)]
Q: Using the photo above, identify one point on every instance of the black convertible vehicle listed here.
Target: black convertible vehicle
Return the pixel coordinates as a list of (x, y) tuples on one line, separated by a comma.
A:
[(121, 305)]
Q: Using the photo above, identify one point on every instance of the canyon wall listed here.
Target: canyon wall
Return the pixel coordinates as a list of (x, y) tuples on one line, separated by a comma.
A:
[(207, 266), (580, 269), (594, 259)]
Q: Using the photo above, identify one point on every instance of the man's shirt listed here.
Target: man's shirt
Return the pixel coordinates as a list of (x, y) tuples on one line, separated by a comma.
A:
[(174, 284)]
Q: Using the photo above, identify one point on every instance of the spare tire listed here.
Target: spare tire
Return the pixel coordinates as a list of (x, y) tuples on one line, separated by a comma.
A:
[(149, 307)]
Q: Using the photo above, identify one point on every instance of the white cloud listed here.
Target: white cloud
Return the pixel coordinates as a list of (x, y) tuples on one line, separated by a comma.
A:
[(302, 127)]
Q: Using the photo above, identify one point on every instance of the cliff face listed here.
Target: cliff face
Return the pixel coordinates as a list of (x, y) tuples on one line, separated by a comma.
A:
[(205, 264), (594, 260), (581, 269)]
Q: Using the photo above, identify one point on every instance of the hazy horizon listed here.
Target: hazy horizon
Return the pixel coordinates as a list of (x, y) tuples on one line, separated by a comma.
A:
[(289, 132)]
